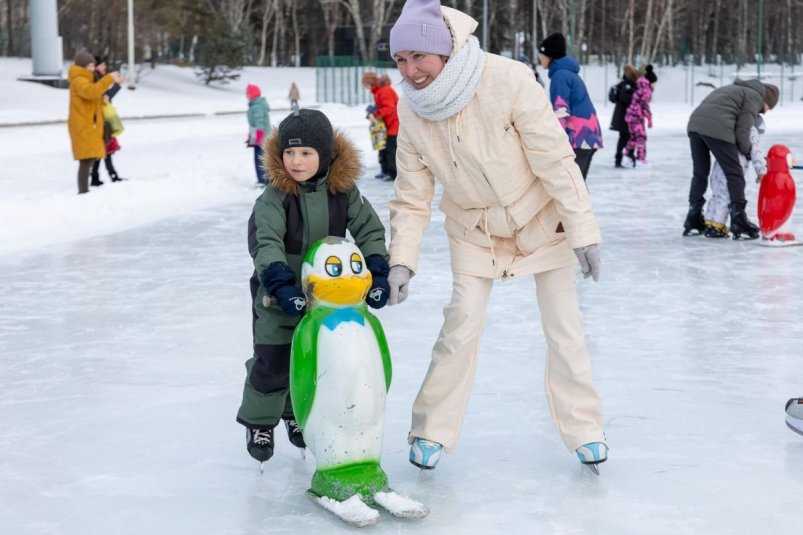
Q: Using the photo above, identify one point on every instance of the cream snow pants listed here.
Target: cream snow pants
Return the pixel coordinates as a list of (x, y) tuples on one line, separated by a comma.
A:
[(441, 403)]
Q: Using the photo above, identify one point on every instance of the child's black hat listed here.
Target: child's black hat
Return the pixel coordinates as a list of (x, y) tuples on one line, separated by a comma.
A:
[(308, 128)]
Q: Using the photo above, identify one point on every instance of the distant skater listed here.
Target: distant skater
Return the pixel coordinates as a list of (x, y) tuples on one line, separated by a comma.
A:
[(637, 113), (570, 101), (294, 95), (258, 127)]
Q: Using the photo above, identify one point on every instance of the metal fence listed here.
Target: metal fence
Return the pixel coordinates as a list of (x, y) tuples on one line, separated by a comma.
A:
[(339, 78)]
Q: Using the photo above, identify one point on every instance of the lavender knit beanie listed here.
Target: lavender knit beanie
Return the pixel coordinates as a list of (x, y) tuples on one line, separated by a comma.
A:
[(421, 28)]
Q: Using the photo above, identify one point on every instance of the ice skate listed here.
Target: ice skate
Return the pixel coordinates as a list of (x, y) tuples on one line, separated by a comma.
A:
[(740, 224), (425, 454), (592, 454), (260, 444), (295, 435), (794, 415), (694, 220), (715, 230)]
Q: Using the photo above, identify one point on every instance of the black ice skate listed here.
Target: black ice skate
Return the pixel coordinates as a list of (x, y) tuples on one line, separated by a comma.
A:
[(294, 433), (260, 444), (694, 219), (740, 224)]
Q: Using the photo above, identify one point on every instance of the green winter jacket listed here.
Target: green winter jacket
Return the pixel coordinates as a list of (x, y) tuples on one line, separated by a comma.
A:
[(288, 218), (729, 113)]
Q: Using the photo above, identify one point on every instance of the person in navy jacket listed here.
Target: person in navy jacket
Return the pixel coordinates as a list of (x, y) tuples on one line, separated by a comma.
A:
[(570, 100)]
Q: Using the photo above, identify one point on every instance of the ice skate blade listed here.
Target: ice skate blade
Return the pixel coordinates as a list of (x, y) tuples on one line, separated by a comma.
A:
[(421, 466), (793, 428), (593, 467)]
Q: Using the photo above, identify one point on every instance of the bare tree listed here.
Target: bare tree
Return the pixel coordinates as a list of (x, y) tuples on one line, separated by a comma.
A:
[(651, 29), (382, 12), (296, 34), (10, 25), (278, 24), (353, 7), (267, 14), (647, 34), (234, 12), (630, 21), (667, 16), (331, 17)]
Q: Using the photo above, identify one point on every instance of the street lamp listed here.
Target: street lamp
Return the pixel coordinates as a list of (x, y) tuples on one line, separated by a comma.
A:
[(760, 37), (131, 74)]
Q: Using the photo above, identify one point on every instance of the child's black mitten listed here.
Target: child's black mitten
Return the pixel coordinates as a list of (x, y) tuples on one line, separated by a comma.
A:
[(380, 289), (280, 282)]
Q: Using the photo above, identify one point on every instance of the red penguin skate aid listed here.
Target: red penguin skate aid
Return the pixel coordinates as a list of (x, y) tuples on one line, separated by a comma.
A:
[(776, 197)]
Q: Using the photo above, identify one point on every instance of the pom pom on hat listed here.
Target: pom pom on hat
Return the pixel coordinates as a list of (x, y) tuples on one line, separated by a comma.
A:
[(553, 46), (770, 95), (649, 74), (421, 28), (83, 58), (252, 91)]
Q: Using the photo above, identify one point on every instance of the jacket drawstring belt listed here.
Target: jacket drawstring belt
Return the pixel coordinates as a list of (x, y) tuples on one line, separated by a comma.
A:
[(451, 152), (488, 235)]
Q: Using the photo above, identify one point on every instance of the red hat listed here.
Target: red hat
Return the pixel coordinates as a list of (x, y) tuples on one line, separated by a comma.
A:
[(252, 91)]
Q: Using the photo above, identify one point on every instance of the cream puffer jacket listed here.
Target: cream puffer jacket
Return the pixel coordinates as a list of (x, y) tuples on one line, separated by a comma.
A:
[(510, 184)]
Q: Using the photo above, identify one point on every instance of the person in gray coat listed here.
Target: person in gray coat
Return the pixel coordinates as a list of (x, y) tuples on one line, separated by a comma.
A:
[(721, 125)]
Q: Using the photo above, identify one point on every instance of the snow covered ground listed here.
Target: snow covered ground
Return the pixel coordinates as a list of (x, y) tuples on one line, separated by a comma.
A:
[(125, 322)]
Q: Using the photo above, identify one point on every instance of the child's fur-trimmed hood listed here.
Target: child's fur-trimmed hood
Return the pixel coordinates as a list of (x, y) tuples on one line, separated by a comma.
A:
[(344, 170)]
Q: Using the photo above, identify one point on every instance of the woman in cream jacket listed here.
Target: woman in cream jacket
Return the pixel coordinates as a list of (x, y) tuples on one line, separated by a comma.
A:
[(515, 204)]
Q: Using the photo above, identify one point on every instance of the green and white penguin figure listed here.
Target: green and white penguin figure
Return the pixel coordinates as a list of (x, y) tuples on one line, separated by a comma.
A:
[(340, 373)]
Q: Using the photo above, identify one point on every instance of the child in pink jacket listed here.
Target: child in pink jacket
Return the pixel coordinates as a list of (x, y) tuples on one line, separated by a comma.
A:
[(637, 112)]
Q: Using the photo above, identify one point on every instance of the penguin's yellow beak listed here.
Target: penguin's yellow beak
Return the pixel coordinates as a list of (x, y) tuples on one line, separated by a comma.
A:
[(346, 290)]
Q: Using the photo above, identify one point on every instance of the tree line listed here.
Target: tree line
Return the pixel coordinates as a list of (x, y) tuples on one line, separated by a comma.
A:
[(295, 32)]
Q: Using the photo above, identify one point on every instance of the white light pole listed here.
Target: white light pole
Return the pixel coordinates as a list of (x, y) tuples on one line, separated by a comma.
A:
[(131, 74), (45, 40)]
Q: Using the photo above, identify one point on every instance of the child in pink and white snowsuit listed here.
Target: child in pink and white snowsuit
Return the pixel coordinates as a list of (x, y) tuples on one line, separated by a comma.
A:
[(637, 112)]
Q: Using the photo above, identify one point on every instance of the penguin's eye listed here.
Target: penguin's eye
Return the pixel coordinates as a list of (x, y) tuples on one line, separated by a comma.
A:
[(356, 263), (334, 267)]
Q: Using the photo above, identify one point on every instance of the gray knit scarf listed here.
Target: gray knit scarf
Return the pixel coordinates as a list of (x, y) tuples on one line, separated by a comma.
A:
[(453, 88)]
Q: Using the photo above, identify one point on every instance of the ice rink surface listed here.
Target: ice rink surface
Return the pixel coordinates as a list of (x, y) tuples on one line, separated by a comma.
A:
[(121, 368)]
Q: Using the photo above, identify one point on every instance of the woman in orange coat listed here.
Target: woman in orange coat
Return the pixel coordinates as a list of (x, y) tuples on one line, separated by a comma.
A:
[(85, 120)]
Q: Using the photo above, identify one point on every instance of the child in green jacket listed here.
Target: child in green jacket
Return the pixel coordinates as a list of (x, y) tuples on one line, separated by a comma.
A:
[(311, 193)]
